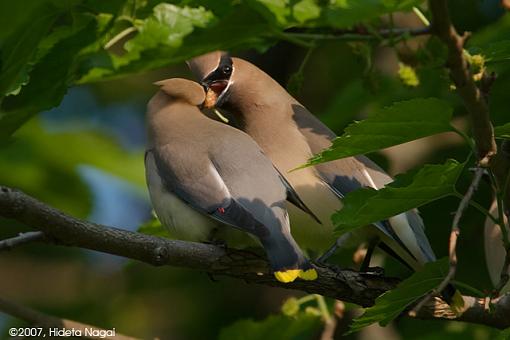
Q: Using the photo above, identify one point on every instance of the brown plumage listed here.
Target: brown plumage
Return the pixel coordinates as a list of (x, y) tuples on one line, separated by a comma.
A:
[(289, 135), (205, 177)]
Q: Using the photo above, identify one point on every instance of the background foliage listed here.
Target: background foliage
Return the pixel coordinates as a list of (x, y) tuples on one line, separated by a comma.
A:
[(75, 76)]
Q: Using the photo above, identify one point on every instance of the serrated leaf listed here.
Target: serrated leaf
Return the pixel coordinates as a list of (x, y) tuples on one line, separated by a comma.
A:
[(413, 189), (400, 123), (243, 27), (502, 131), (345, 13), (167, 27), (392, 303), (302, 326)]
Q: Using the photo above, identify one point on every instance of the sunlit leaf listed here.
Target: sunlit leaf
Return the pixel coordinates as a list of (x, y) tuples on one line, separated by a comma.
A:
[(402, 122)]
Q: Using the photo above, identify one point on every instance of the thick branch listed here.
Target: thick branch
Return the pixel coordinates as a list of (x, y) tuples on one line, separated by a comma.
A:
[(346, 285)]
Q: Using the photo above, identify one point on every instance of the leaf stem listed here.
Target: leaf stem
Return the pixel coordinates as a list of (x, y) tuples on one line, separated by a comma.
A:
[(124, 33), (421, 16), (321, 302)]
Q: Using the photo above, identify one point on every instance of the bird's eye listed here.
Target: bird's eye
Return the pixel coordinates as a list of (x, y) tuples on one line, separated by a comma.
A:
[(227, 70)]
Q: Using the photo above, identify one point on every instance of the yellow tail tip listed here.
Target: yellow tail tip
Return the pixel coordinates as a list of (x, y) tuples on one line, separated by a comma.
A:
[(287, 275), (290, 275), (308, 275)]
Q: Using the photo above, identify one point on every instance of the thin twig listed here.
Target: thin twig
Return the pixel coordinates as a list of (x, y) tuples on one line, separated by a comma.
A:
[(47, 322), (357, 34), (22, 238), (452, 247)]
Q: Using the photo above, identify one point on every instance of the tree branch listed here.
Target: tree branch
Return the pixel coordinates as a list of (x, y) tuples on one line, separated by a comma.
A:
[(476, 102), (452, 245), (46, 321), (346, 285), (22, 238), (358, 34), (462, 77), (475, 99)]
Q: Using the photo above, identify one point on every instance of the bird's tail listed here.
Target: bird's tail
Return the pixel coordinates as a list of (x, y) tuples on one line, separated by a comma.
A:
[(287, 260)]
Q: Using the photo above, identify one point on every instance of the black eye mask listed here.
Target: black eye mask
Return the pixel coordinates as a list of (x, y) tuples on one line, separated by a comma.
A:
[(218, 80), (222, 72)]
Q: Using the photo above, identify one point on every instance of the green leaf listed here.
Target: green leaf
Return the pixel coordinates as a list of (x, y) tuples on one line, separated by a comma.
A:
[(49, 78), (408, 191), (167, 27), (400, 123), (285, 13), (346, 13), (239, 28), (504, 335), (392, 303), (495, 52), (278, 327), (24, 25), (502, 131), (154, 227)]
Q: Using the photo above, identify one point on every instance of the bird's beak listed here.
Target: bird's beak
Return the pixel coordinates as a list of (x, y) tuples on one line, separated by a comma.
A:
[(215, 92), (214, 96)]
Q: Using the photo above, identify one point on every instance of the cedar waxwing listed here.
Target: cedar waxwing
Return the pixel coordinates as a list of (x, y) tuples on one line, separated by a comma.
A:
[(494, 251), (289, 135), (204, 176)]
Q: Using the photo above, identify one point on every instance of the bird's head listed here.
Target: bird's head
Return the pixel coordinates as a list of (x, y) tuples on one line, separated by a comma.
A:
[(180, 89), (214, 70)]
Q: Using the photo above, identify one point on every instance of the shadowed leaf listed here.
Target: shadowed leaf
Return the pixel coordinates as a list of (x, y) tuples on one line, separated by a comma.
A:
[(392, 303), (408, 191)]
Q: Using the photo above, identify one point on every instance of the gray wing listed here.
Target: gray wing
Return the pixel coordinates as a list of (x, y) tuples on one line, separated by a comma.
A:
[(195, 180), (293, 197), (348, 174)]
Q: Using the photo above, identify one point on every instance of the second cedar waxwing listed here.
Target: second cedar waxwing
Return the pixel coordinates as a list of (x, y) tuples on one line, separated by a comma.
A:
[(494, 250), (289, 135), (204, 176)]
